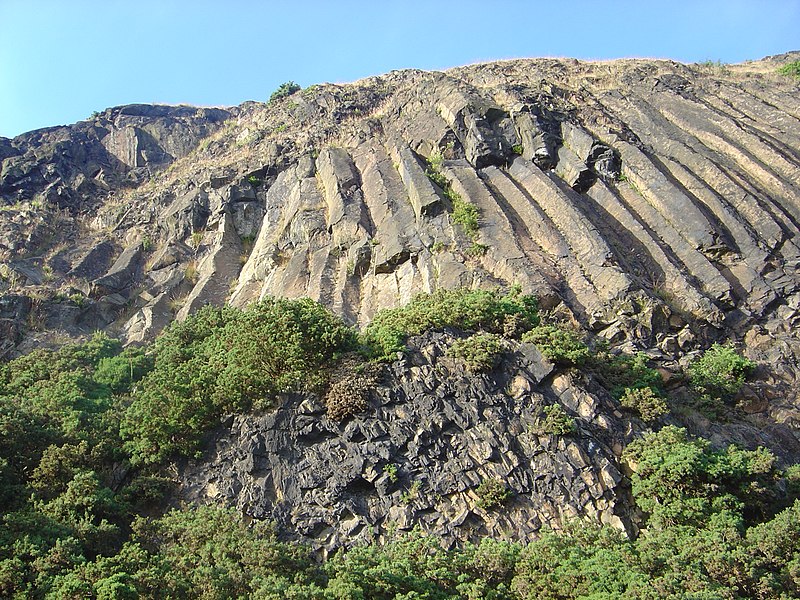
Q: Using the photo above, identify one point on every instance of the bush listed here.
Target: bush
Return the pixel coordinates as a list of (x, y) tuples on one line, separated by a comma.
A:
[(348, 394), (791, 69), (486, 310), (556, 421), (492, 493), (479, 352), (559, 345), (227, 360), (649, 404), (284, 90), (622, 372), (684, 481), (720, 372)]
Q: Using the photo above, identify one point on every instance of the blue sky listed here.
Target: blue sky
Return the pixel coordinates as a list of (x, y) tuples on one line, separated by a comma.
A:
[(62, 60)]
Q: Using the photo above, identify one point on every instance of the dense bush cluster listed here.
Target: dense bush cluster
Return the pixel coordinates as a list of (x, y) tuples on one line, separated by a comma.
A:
[(479, 352), (562, 346), (468, 310), (85, 432), (719, 524), (224, 360)]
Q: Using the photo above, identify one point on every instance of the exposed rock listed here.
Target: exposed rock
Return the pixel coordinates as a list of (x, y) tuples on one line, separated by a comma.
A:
[(445, 432)]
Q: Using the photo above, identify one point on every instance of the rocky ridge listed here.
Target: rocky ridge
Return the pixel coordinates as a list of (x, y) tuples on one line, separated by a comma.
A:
[(655, 204)]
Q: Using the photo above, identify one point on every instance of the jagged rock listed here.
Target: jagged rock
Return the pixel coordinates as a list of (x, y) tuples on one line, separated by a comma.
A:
[(441, 429), (648, 202)]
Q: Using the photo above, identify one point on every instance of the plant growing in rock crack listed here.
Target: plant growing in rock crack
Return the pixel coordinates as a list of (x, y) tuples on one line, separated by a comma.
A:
[(492, 493), (556, 421), (390, 469), (411, 494), (464, 212), (479, 352)]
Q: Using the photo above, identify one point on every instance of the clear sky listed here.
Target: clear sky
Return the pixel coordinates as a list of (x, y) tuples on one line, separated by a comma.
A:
[(60, 60)]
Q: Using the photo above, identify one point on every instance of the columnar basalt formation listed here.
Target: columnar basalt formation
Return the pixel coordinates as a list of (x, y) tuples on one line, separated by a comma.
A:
[(653, 203)]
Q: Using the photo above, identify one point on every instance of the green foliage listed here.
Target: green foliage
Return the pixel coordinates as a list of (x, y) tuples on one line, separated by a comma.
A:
[(478, 352), (559, 345), (517, 149), (649, 404), (720, 372), (284, 90), (583, 562), (226, 360), (485, 310), (556, 421), (791, 69), (411, 493), (254, 181), (492, 493), (618, 373), (717, 523), (391, 472), (683, 481), (200, 552), (120, 372), (464, 212)]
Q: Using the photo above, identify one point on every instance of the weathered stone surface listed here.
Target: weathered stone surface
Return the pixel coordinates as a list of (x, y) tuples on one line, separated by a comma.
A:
[(653, 204), (440, 428)]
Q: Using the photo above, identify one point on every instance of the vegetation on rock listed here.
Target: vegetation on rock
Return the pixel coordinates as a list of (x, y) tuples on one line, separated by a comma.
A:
[(478, 352), (469, 310), (285, 89), (81, 508), (559, 345)]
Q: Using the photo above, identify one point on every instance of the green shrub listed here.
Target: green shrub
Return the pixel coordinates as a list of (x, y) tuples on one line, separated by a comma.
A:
[(624, 371), (411, 494), (391, 472), (517, 149), (227, 360), (559, 345), (649, 404), (684, 481), (478, 352), (492, 493), (791, 69), (254, 181), (485, 310), (284, 90), (556, 421), (720, 372), (464, 212)]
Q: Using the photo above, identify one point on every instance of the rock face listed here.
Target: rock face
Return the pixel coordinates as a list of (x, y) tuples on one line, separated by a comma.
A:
[(654, 203), (431, 436)]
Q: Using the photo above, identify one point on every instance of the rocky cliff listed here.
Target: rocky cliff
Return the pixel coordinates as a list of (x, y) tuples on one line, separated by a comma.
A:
[(653, 203)]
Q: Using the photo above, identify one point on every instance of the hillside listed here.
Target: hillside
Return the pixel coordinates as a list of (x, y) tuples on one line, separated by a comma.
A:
[(613, 252)]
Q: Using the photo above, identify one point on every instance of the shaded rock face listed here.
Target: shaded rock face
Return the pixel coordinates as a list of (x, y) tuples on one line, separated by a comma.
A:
[(432, 434)]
